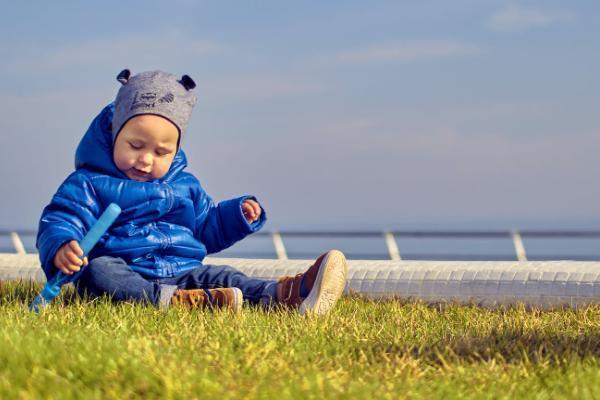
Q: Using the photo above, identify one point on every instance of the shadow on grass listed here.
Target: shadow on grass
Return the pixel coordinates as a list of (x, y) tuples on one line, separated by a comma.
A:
[(511, 346)]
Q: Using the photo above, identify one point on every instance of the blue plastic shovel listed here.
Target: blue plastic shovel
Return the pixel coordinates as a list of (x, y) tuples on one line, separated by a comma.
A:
[(52, 287)]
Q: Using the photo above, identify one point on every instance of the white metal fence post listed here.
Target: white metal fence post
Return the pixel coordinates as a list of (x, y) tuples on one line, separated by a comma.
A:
[(19, 248), (279, 247), (392, 246), (519, 247)]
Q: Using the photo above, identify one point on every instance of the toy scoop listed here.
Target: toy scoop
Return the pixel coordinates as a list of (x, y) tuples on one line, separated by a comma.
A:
[(52, 287)]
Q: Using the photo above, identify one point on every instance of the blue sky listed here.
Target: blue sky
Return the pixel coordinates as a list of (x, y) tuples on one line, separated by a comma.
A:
[(334, 114)]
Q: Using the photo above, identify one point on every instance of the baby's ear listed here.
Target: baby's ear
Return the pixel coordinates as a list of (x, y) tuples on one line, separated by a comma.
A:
[(187, 82), (123, 76)]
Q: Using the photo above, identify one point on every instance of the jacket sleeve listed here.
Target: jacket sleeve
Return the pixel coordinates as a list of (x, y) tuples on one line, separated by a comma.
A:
[(218, 226), (69, 216)]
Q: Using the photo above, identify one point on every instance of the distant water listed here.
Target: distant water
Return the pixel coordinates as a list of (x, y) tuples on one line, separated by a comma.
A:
[(410, 248)]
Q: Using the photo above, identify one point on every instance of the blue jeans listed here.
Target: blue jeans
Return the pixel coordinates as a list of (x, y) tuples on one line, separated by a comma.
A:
[(112, 276)]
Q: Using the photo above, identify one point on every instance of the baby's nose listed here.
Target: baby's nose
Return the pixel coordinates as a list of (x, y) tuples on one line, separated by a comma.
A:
[(146, 159)]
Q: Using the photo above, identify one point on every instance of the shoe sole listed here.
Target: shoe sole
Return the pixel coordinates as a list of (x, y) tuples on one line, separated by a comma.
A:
[(329, 285), (238, 300)]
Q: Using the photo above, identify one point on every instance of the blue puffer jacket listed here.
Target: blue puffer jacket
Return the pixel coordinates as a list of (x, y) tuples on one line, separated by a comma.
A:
[(167, 226)]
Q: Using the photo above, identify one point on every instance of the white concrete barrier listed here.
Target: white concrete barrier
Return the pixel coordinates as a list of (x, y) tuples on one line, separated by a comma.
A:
[(544, 284)]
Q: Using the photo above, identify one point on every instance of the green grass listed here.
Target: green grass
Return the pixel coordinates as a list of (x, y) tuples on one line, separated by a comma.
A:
[(363, 349)]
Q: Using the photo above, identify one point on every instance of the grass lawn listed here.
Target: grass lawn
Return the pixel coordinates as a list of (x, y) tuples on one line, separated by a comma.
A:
[(363, 349)]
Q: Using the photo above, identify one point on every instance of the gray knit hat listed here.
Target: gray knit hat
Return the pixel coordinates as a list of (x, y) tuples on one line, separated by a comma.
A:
[(153, 92)]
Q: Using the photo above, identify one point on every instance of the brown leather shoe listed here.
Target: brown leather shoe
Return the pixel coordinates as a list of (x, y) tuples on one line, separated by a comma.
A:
[(324, 282), (211, 298)]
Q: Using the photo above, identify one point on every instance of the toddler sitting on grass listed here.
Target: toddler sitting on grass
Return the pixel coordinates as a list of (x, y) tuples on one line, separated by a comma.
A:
[(131, 155)]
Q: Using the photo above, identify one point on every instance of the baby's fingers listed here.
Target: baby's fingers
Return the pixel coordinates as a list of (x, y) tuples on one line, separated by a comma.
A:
[(74, 246), (59, 262), (248, 212), (246, 208), (70, 269), (256, 208), (73, 260), (68, 262), (62, 263)]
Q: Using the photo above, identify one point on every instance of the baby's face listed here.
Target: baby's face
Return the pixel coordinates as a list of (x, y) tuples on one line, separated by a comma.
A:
[(145, 147)]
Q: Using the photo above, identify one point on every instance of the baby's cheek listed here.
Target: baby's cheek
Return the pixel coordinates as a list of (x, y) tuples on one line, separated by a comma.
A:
[(161, 169), (122, 159), (119, 163)]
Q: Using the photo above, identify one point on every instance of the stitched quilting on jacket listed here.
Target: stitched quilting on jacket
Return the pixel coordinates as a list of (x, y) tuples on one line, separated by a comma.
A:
[(166, 227)]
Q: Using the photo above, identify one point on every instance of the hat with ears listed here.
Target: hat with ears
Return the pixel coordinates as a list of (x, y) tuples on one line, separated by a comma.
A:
[(153, 92)]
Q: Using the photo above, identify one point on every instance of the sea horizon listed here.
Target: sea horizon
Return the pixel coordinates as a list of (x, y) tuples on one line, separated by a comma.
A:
[(410, 248)]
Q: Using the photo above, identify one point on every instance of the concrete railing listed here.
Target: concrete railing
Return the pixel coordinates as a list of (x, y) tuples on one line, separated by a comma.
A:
[(544, 284)]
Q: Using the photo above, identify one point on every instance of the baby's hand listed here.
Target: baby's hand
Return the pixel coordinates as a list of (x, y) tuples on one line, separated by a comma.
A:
[(251, 210), (67, 258)]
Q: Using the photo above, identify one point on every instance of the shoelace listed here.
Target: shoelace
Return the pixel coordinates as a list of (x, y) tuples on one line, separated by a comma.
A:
[(209, 297), (291, 290)]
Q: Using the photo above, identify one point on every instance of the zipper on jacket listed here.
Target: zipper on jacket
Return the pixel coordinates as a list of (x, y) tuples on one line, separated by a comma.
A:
[(170, 197)]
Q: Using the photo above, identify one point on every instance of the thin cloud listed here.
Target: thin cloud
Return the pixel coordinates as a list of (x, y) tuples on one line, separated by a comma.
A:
[(156, 49), (258, 87), (137, 47), (406, 52), (515, 18)]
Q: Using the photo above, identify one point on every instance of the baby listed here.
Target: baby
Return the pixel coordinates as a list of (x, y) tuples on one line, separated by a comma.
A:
[(131, 155)]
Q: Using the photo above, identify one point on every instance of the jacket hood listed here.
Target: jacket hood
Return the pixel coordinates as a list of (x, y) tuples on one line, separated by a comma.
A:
[(95, 150)]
